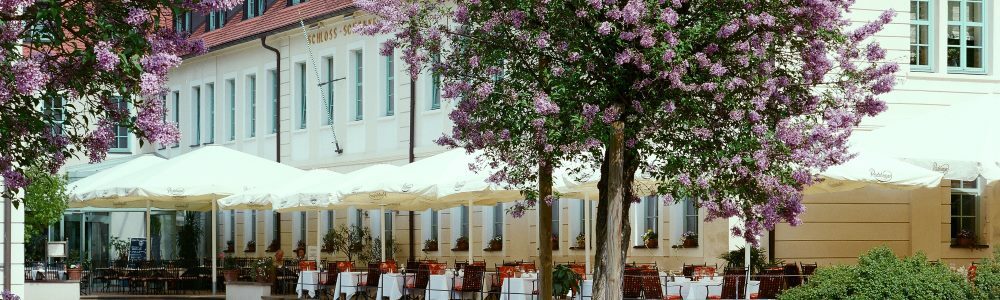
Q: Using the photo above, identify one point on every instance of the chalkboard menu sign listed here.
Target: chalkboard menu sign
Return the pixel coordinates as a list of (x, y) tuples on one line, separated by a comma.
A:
[(137, 249)]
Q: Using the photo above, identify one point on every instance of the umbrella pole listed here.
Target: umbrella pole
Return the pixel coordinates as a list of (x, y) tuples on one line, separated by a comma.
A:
[(149, 222), (214, 248), (470, 231), (318, 239), (381, 225), (586, 229), (746, 264)]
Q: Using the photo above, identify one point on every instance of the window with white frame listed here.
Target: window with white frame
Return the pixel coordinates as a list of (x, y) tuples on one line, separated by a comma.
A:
[(210, 88), (272, 89), (294, 2), (300, 69), (965, 212), (387, 234), (328, 89), (331, 219), (358, 62), (690, 216), (390, 72), (120, 142), (251, 105), (301, 229), (271, 221), (250, 225), (498, 219), (196, 116), (966, 36), (920, 35), (230, 226), (182, 21), (231, 96), (464, 219), (434, 224), (435, 102), (56, 112), (359, 216), (555, 219), (177, 111), (651, 213)]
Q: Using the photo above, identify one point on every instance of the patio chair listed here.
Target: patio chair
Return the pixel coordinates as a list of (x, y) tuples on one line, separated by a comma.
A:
[(792, 276), (733, 283), (580, 270), (371, 280), (529, 267), (411, 266), (503, 272), (419, 284), (481, 263), (688, 270), (770, 284), (807, 271), (472, 282), (328, 279), (632, 283), (460, 265), (651, 287)]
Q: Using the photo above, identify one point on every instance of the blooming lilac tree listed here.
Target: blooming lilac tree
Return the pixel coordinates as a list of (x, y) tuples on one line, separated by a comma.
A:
[(77, 69), (735, 104)]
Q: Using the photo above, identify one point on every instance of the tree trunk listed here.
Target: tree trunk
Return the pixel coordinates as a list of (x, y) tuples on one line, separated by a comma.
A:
[(610, 261), (545, 230)]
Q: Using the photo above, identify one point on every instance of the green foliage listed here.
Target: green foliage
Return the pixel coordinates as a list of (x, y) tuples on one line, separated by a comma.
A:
[(120, 246), (987, 281), (564, 280), (758, 260), (649, 235), (357, 244), (45, 199), (879, 274), (188, 236), (229, 262), (263, 270)]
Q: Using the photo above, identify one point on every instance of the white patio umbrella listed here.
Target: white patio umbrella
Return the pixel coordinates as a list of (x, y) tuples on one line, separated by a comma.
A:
[(193, 181), (959, 140), (85, 187), (874, 170)]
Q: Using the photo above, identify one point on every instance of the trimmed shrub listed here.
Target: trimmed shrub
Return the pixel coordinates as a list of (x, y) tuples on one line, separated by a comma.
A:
[(987, 280), (879, 274)]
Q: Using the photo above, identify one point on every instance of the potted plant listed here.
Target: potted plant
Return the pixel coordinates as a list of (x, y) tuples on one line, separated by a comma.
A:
[(564, 280), (274, 245), (121, 247), (230, 247), (496, 243), (328, 242), (461, 244), (649, 238), (430, 245), (965, 238), (555, 242), (263, 270), (300, 245), (251, 246), (229, 268), (581, 240), (690, 239), (75, 272)]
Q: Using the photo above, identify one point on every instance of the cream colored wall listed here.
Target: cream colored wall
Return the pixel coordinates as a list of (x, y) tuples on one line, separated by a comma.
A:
[(838, 227)]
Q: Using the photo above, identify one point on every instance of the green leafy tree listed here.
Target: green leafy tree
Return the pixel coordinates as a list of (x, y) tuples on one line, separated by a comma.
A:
[(45, 199), (188, 237), (987, 281)]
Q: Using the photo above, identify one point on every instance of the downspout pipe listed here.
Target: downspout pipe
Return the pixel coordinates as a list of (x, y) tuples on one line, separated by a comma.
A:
[(277, 117), (277, 108)]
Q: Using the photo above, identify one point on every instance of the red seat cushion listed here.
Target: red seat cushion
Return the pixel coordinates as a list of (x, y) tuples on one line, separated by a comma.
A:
[(754, 296), (458, 287), (674, 297), (714, 297), (410, 285)]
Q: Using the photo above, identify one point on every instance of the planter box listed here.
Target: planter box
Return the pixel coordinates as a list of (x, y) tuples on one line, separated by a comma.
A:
[(240, 290)]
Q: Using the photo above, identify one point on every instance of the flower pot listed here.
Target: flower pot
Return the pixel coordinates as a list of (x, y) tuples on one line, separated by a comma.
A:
[(690, 243), (650, 243), (75, 274), (231, 275), (581, 243), (965, 241), (496, 246)]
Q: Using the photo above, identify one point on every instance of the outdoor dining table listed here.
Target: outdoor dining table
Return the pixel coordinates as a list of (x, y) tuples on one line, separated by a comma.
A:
[(440, 287), (518, 288), (390, 285), (308, 281), (347, 283)]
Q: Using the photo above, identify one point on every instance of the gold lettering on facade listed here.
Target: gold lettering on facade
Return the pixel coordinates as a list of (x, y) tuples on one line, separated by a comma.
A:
[(328, 34)]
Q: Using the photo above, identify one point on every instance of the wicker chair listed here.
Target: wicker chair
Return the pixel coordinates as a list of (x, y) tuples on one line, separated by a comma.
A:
[(460, 265), (807, 271), (371, 280), (503, 272), (732, 284), (792, 276), (651, 287), (632, 283), (472, 282), (419, 284), (770, 284)]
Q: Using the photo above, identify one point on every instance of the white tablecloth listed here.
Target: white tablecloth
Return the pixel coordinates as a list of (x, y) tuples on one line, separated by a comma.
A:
[(440, 287), (391, 285), (518, 289), (308, 281), (347, 283), (37, 274)]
